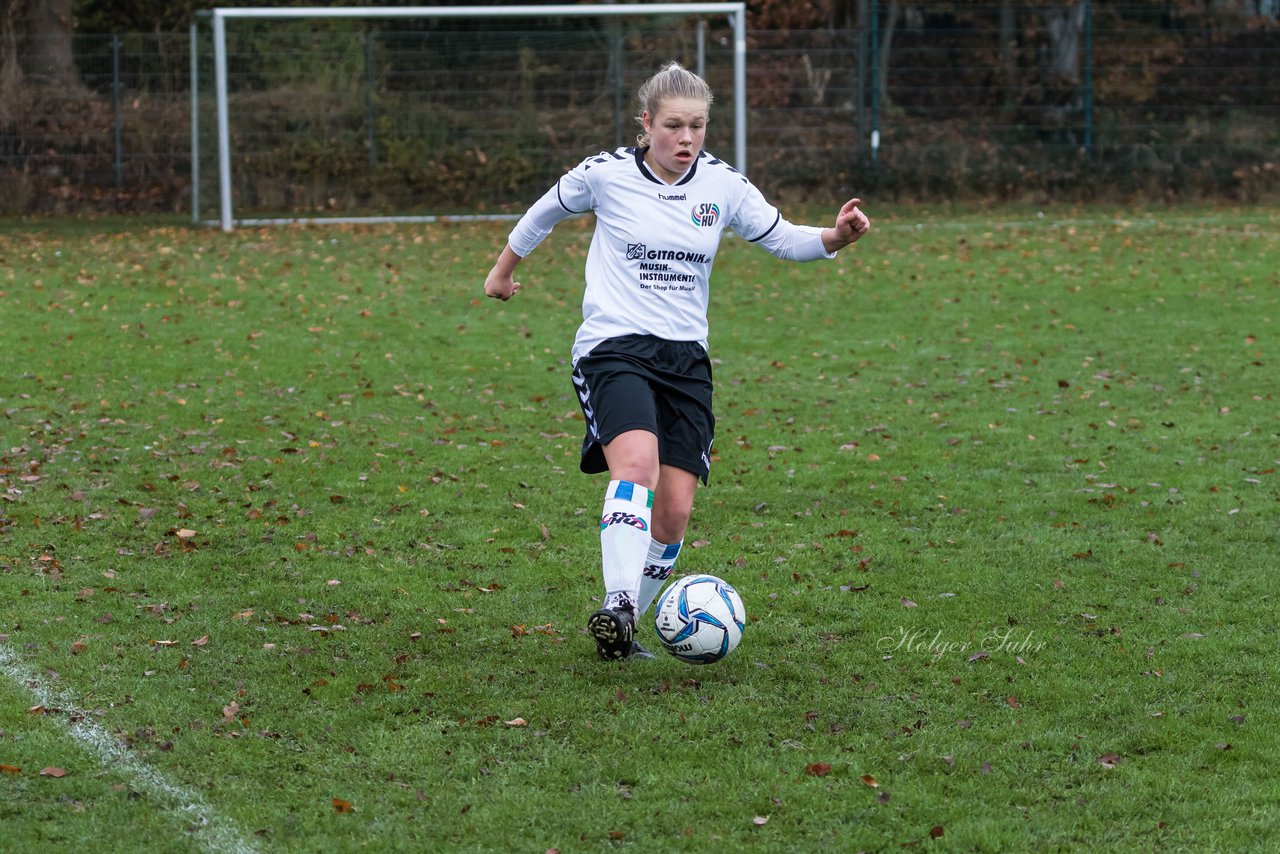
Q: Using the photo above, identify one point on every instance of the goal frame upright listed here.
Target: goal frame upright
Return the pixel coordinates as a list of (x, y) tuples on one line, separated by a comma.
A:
[(736, 12)]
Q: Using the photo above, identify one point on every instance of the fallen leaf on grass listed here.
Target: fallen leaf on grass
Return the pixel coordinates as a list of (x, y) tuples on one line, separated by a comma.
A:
[(936, 832), (522, 630), (1109, 760), (339, 805), (10, 769), (818, 769), (760, 820), (516, 722), (52, 772), (868, 780)]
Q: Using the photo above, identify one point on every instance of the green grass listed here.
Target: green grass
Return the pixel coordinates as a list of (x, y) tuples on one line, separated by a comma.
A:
[(295, 555)]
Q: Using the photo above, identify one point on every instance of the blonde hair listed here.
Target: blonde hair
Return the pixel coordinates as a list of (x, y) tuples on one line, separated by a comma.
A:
[(672, 81)]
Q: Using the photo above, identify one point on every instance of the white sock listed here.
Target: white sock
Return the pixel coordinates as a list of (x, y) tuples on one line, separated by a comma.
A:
[(624, 539), (657, 569)]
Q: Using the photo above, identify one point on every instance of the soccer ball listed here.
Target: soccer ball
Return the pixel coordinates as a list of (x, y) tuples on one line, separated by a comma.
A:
[(700, 619)]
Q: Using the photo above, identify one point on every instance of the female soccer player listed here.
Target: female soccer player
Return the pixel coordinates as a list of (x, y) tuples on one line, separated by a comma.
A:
[(640, 364)]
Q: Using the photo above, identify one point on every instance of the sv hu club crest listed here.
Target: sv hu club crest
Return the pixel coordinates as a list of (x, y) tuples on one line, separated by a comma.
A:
[(706, 214)]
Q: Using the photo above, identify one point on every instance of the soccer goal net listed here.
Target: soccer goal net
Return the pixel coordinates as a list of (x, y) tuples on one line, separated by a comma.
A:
[(425, 113)]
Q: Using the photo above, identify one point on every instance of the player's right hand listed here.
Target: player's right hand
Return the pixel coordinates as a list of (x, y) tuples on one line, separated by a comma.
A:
[(499, 286)]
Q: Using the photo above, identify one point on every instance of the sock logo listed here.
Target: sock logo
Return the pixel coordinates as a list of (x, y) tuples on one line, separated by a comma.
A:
[(657, 573), (623, 519)]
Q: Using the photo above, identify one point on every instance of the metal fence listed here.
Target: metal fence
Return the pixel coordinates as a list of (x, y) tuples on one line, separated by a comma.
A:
[(120, 139), (400, 120)]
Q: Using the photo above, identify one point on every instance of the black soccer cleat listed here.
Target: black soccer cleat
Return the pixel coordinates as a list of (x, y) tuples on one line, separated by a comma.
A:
[(614, 631), (637, 651)]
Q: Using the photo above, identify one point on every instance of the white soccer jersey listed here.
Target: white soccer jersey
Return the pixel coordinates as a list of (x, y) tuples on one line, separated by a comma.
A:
[(649, 266)]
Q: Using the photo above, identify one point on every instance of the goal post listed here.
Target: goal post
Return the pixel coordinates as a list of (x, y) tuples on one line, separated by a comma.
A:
[(222, 18)]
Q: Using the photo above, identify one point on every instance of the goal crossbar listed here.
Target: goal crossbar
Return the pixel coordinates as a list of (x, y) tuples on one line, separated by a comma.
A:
[(735, 11)]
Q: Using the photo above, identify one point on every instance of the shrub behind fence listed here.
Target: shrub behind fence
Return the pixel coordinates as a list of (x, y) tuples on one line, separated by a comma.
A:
[(350, 119)]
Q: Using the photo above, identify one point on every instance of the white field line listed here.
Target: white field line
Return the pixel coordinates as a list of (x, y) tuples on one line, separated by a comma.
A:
[(1210, 225), (209, 830)]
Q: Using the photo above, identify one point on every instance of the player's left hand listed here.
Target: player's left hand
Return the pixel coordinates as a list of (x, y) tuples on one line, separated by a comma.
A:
[(851, 222)]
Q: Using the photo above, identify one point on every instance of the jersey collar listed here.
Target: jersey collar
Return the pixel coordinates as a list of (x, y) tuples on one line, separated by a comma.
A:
[(648, 173)]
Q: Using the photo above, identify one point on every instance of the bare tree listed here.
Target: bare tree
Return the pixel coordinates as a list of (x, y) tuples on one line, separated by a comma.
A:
[(1065, 25), (886, 47), (10, 70), (36, 36), (1008, 51), (1065, 28)]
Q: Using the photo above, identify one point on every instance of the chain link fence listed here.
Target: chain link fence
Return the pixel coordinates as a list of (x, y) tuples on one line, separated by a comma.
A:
[(344, 118)]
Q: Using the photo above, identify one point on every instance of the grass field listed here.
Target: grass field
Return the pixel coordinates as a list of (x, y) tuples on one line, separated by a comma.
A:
[(295, 555)]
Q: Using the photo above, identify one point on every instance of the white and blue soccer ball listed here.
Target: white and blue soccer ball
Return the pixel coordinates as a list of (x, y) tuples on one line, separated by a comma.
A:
[(700, 619)]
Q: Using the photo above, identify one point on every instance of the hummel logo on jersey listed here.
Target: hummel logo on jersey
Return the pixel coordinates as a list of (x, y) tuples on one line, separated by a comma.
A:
[(635, 251), (623, 518), (675, 197), (706, 214)]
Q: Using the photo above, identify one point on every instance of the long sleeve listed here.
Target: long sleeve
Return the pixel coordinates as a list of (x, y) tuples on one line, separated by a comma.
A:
[(568, 197), (760, 222), (792, 242)]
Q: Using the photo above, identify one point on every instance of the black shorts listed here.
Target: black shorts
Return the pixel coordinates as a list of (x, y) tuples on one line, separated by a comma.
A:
[(639, 382)]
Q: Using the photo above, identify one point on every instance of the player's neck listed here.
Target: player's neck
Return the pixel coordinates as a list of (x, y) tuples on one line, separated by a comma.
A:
[(666, 176)]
